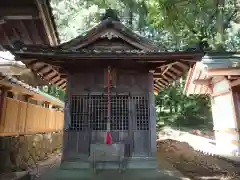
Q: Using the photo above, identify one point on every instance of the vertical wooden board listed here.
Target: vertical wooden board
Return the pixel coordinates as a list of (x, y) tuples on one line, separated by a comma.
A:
[(62, 119), (43, 120), (11, 118), (48, 115), (31, 118), (71, 142), (22, 116), (59, 120), (141, 143), (38, 117), (53, 119), (2, 121), (83, 142)]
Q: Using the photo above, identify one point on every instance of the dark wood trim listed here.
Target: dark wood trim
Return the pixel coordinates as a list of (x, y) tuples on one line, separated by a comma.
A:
[(45, 16), (42, 68), (47, 73)]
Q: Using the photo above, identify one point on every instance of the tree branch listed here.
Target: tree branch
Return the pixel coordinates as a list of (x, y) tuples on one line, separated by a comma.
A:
[(226, 23)]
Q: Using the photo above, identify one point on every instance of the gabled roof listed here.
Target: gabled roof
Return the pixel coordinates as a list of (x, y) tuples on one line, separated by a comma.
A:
[(110, 28), (120, 44)]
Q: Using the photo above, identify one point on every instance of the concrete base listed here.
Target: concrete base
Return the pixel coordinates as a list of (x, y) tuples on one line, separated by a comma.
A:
[(129, 163), (137, 174)]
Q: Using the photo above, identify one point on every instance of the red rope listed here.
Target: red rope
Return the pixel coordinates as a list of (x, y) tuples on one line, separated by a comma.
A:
[(108, 91), (108, 134)]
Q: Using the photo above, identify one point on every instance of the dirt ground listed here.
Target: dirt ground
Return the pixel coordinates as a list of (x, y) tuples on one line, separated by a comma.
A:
[(196, 165), (175, 155)]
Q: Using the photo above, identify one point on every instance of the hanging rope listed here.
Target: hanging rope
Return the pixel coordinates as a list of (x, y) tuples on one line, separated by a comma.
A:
[(108, 134)]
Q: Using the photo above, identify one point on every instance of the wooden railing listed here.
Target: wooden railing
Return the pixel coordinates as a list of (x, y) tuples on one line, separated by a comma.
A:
[(18, 118)]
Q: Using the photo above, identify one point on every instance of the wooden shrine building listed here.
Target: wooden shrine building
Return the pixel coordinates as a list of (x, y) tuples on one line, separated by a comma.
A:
[(108, 62)]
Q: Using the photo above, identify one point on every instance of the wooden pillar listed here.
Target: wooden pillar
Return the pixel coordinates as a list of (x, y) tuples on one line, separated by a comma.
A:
[(152, 114), (67, 115), (4, 91)]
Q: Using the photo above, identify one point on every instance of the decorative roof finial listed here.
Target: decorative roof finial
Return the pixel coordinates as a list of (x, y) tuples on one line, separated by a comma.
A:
[(110, 13)]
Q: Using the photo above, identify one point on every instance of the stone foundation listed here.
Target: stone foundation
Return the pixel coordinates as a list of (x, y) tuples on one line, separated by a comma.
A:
[(21, 152)]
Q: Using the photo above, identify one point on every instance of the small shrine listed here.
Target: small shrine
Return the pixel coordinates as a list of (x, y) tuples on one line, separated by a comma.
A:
[(110, 75)]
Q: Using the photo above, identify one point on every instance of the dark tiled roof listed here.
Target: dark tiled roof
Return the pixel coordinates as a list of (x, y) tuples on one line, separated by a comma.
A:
[(15, 81)]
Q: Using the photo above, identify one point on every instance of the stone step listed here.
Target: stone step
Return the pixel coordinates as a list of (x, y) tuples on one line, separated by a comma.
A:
[(131, 163), (109, 174)]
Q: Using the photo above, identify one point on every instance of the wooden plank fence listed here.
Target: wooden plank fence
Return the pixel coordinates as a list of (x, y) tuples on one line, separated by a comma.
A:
[(19, 118)]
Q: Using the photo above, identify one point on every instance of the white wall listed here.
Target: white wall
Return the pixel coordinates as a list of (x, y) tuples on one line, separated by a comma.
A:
[(224, 117)]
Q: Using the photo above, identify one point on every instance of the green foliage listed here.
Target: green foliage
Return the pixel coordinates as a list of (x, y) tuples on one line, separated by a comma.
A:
[(53, 91), (175, 108), (194, 21), (173, 23)]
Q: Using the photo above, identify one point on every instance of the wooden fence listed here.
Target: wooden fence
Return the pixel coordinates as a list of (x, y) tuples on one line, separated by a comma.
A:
[(20, 117)]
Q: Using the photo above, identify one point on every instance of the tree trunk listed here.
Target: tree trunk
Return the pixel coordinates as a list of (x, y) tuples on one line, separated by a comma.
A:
[(220, 25)]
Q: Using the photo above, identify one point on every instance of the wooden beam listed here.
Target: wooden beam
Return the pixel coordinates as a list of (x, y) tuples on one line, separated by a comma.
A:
[(166, 69), (170, 63), (171, 74), (183, 65), (45, 17), (233, 77), (18, 17), (61, 84), (157, 85), (224, 72), (31, 63), (18, 12), (162, 81), (155, 89), (202, 81), (148, 61), (48, 72), (42, 68), (62, 71), (235, 82), (6, 36), (176, 70), (54, 77), (25, 32), (58, 81), (63, 76), (64, 87)]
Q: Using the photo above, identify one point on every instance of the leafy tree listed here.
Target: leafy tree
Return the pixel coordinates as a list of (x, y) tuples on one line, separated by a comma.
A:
[(195, 21)]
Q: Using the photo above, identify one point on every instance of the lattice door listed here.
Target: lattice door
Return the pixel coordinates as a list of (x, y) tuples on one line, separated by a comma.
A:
[(90, 112), (129, 120)]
